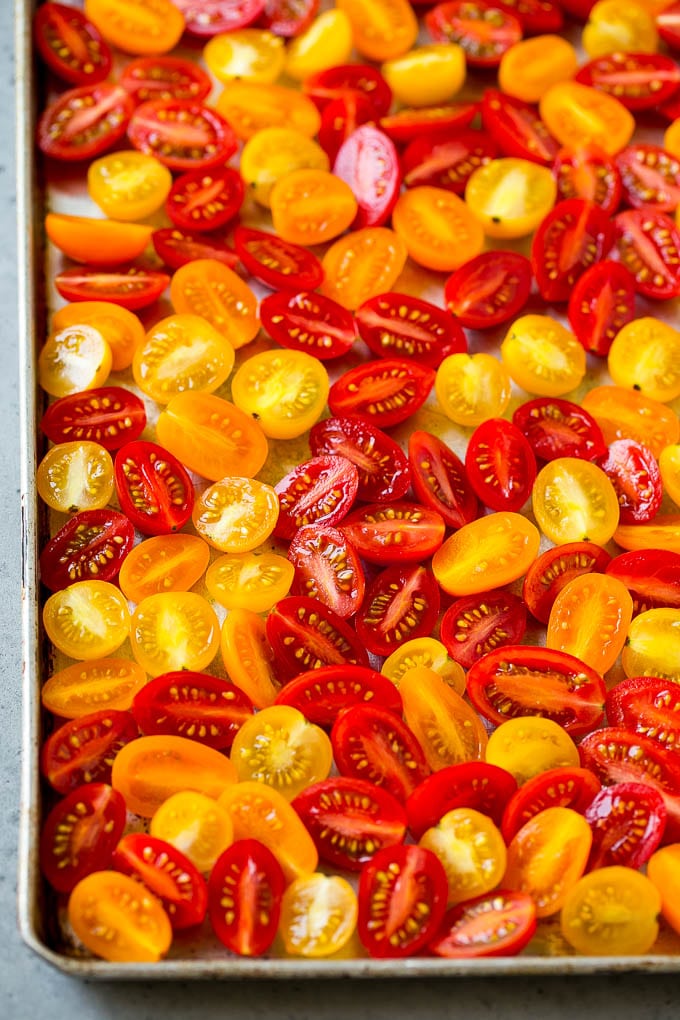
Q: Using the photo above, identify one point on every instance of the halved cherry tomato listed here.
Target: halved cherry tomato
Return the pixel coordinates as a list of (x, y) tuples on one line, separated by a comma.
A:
[(652, 576), (641, 81), (128, 185), (470, 784), (75, 358), (478, 624), (401, 602), (333, 83), (601, 303), (661, 533), (176, 247), (590, 619), (285, 391), (166, 563), (472, 851), (559, 428), (288, 17), (517, 128), (165, 78), (447, 729), (382, 29), (208, 288), (650, 177), (644, 356), (318, 915), (510, 197), (649, 706), (362, 264), (153, 488), (484, 32), (321, 694), (90, 546), (367, 161), (205, 199), (70, 44), (590, 173), (628, 821), (320, 490), (82, 750), (531, 66), (580, 115), (304, 634), (95, 241), (85, 687), (378, 530), (489, 289), (325, 43), (554, 568), (574, 501), (252, 580), (341, 118), (133, 288), (407, 125), (181, 353), (81, 123), (327, 568), (439, 230), (122, 331), (634, 473), (385, 392), (535, 16), (182, 134), (138, 26), (529, 745), (500, 465), (384, 473), (75, 476), (446, 163), (210, 17), (250, 106), (308, 322), (571, 238), (235, 515), (244, 897), (402, 901), (80, 834), (627, 414), (440, 480), (87, 620), (253, 54), (653, 645), (398, 324), (568, 786), (166, 872), (280, 748), (194, 705), (173, 631), (110, 416), (612, 911), (248, 656), (485, 554), (278, 264), (426, 75), (498, 923)]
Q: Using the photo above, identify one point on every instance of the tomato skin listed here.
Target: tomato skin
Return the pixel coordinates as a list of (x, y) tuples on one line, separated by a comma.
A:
[(304, 635), (156, 127), (84, 122), (373, 744), (628, 822), (517, 128), (308, 322), (90, 546), (167, 873), (82, 750), (556, 428), (649, 706), (641, 81), (367, 161), (278, 264), (327, 568), (321, 694), (350, 820), (204, 200), (205, 18), (489, 289), (648, 244), (386, 392), (109, 415), (440, 480), (602, 301), (518, 680), (324, 87), (500, 465), (634, 473), (340, 119), (402, 602), (476, 624), (565, 786), (165, 78), (571, 238), (176, 247), (318, 491), (487, 553), (154, 490), (80, 834), (248, 876), (59, 32), (537, 17), (409, 876), (377, 529), (384, 473), (195, 705), (133, 288), (471, 784), (409, 124), (402, 325), (485, 33), (498, 923)]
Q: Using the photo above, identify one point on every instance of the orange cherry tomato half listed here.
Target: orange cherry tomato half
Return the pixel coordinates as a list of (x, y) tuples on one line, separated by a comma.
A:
[(97, 242), (210, 289)]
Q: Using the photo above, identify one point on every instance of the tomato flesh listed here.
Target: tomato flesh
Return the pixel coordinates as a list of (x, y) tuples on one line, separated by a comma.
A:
[(478, 624), (384, 473), (91, 546), (321, 694)]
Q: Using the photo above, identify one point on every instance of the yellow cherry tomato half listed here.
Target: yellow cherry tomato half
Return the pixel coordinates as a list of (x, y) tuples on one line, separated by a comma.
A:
[(236, 514), (509, 197), (311, 206), (543, 356), (472, 388), (645, 356), (181, 352), (362, 265), (619, 26), (669, 466), (87, 620), (286, 391), (318, 915), (472, 850), (326, 43), (382, 29), (663, 870), (531, 66), (426, 75), (212, 290), (174, 630), (487, 553), (128, 185), (528, 745), (653, 645), (272, 154), (248, 657), (574, 501), (627, 414), (76, 476), (74, 359), (251, 580), (440, 231), (163, 563), (196, 825), (427, 652), (121, 328), (252, 106), (248, 54), (578, 115), (611, 912)]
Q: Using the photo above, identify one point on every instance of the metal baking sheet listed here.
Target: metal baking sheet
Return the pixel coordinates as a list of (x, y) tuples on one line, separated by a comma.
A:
[(196, 954)]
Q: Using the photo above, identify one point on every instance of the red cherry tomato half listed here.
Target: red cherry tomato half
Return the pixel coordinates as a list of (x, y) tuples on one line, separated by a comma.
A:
[(84, 122), (205, 199), (278, 264), (304, 635), (327, 568), (163, 77), (446, 163), (109, 415), (650, 177), (566, 786), (322, 694), (402, 901), (363, 80), (91, 546), (83, 749), (652, 576), (500, 465), (441, 121), (319, 491), (154, 490), (555, 427), (470, 784), (210, 17), (555, 568), (476, 624), (167, 873), (648, 244), (182, 134), (399, 325), (368, 163), (288, 18), (378, 530), (385, 392), (573, 236), (537, 17), (484, 32), (601, 303), (519, 680), (641, 81), (70, 44), (401, 603), (627, 821), (244, 897), (131, 288), (384, 473), (80, 834), (588, 172), (499, 923), (489, 289), (517, 128), (308, 322), (649, 706), (634, 472), (340, 119), (177, 247), (195, 705), (350, 820), (440, 480)]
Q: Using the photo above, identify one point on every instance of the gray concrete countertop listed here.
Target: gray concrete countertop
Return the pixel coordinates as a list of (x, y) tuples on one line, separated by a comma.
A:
[(31, 990)]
